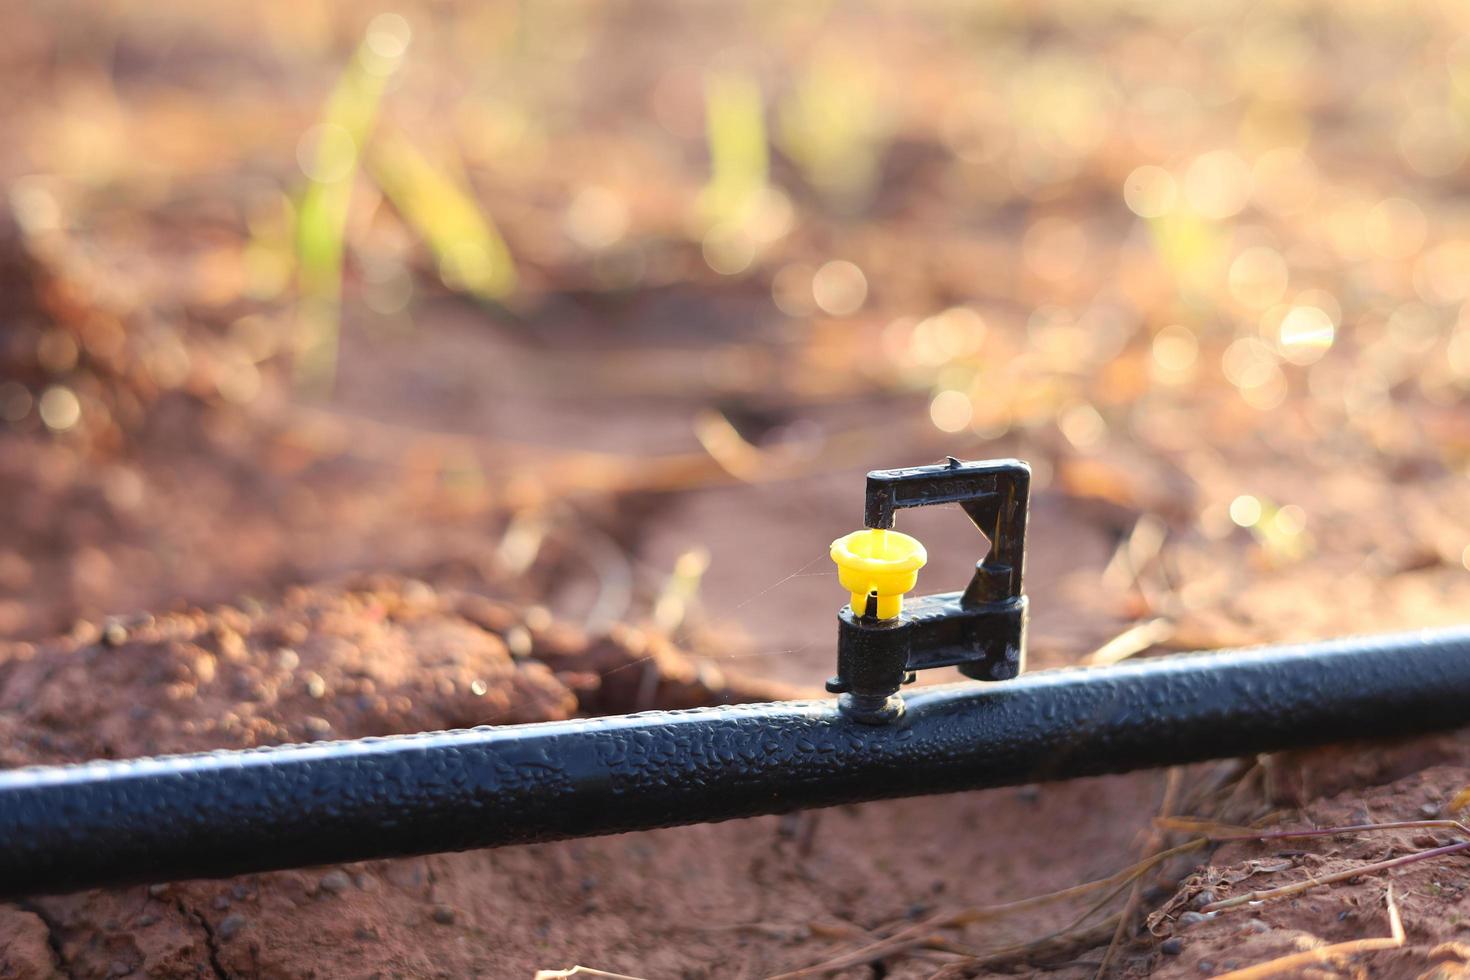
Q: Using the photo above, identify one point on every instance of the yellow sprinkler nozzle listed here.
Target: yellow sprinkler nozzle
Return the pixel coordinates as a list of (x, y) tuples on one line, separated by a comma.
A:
[(881, 561)]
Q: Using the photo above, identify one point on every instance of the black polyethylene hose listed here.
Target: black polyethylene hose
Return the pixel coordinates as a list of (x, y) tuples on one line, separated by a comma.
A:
[(224, 813)]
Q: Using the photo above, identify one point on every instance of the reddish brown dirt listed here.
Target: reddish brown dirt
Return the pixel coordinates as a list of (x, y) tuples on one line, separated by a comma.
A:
[(519, 481)]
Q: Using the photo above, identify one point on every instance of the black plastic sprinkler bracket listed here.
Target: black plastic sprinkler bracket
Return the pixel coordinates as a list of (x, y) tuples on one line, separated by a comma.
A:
[(981, 631)]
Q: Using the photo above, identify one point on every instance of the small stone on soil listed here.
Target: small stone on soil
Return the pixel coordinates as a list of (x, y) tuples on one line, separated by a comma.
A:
[(444, 915), (1187, 919), (336, 881), (1172, 947), (230, 925)]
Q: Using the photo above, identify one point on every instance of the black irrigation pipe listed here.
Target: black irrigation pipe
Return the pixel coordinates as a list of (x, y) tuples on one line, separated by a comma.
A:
[(224, 813)]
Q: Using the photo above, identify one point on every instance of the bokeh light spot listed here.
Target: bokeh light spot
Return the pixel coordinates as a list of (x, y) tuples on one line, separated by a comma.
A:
[(1245, 510), (839, 288), (1150, 192), (727, 250), (1218, 184), (791, 290), (1433, 141), (1305, 334), (388, 35), (1082, 426), (60, 408), (954, 333), (1290, 520), (1175, 353), (951, 410), (596, 219)]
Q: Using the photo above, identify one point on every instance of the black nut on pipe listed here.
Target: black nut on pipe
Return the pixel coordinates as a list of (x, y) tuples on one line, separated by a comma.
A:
[(68, 828), (872, 664)]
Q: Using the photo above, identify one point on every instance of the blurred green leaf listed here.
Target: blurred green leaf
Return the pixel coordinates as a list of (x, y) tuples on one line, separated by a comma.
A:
[(735, 130), (831, 127), (472, 256), (329, 154)]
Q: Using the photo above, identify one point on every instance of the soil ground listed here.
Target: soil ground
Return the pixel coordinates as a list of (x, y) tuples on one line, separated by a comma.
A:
[(1240, 377)]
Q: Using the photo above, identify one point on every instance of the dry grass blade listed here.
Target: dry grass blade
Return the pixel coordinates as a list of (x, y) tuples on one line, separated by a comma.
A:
[(1172, 782), (1046, 948), (582, 971), (1227, 832), (739, 458), (1129, 643), (1296, 888), (924, 932), (1297, 962), (982, 913)]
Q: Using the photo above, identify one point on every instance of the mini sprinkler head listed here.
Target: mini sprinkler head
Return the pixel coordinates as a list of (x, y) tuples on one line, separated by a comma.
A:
[(882, 639), (877, 567)]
